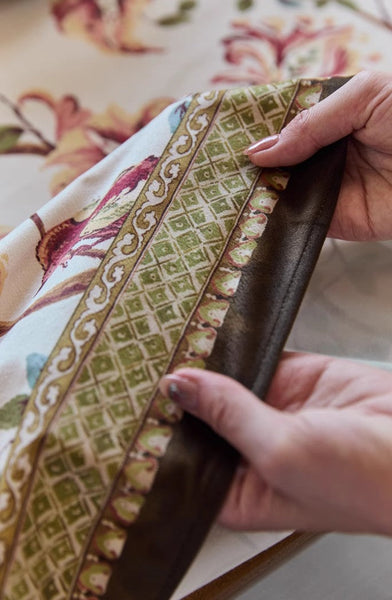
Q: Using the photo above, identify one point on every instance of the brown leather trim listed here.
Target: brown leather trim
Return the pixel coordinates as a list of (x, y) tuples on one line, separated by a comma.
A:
[(187, 493), (272, 285)]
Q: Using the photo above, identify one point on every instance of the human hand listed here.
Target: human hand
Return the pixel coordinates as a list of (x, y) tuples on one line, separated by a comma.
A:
[(362, 110), (317, 454)]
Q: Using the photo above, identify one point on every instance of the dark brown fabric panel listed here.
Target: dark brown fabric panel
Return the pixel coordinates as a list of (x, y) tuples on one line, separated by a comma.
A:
[(191, 483)]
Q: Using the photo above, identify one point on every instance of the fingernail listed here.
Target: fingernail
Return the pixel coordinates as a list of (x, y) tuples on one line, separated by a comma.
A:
[(263, 144), (180, 390)]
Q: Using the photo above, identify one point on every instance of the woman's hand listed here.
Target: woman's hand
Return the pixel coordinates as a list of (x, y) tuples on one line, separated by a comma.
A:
[(317, 454), (361, 109)]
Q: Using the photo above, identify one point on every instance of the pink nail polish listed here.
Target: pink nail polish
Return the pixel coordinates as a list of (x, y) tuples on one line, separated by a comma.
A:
[(180, 390), (263, 144)]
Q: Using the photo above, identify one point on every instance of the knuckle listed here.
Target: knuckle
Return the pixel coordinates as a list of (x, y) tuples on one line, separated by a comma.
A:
[(372, 90), (303, 125), (371, 79), (221, 412), (224, 416), (285, 454), (302, 119), (274, 463)]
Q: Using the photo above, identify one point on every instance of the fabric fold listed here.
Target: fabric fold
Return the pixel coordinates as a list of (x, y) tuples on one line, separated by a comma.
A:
[(177, 251)]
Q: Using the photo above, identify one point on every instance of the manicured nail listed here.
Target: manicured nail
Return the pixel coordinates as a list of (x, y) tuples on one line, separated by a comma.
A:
[(180, 390), (263, 144)]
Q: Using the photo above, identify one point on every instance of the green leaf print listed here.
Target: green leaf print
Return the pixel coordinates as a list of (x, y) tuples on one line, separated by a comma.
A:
[(187, 5), (244, 4), (173, 19), (9, 136), (181, 16), (11, 412)]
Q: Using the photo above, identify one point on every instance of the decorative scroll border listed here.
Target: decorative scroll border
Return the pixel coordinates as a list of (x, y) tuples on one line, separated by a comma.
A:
[(84, 326)]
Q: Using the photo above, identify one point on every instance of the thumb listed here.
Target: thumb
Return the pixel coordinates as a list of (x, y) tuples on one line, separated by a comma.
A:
[(253, 428), (345, 111)]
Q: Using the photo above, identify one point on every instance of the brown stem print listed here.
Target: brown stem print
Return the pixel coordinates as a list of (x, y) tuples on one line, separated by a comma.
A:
[(382, 21), (28, 127)]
